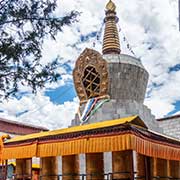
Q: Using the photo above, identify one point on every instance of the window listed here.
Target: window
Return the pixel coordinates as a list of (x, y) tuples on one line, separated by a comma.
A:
[(91, 82)]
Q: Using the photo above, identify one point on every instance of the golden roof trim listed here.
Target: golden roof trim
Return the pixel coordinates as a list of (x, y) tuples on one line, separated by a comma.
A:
[(92, 126)]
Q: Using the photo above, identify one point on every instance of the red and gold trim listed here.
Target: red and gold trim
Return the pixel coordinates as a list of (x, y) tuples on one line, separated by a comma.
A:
[(123, 137)]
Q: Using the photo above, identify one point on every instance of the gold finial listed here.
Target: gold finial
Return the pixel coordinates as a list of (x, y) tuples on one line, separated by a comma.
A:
[(110, 6)]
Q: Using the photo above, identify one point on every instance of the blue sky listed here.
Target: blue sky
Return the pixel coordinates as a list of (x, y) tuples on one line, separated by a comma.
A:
[(176, 109), (62, 94), (151, 28)]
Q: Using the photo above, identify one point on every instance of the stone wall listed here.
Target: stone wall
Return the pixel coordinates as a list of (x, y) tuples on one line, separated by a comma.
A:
[(170, 126), (127, 82), (127, 78), (115, 109)]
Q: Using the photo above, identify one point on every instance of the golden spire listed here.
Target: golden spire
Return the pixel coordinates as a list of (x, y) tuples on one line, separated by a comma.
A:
[(111, 43)]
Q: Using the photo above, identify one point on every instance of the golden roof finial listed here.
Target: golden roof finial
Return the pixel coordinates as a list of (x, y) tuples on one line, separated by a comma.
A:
[(110, 6)]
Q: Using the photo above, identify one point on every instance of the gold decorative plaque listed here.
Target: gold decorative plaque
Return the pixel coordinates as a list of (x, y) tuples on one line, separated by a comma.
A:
[(90, 75)]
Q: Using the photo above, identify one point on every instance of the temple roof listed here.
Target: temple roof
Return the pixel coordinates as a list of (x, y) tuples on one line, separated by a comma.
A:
[(132, 119), (114, 135), (169, 118)]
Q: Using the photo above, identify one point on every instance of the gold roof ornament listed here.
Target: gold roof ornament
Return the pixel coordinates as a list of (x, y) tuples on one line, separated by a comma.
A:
[(110, 6)]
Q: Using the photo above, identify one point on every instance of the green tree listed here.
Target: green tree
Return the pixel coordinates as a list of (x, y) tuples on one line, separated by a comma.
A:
[(24, 25)]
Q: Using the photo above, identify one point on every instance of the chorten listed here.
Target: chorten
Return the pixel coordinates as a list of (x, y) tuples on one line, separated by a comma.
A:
[(110, 85)]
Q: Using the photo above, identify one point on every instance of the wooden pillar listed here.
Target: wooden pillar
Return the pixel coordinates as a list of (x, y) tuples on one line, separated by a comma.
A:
[(153, 167), (174, 169), (122, 164), (159, 168), (49, 168), (162, 166), (23, 169), (141, 166), (168, 169), (70, 167), (95, 166)]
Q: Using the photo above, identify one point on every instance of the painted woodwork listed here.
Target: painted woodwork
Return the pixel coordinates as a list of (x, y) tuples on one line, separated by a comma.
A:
[(49, 166), (70, 167), (141, 166), (159, 168), (95, 166), (122, 164), (174, 169), (23, 169)]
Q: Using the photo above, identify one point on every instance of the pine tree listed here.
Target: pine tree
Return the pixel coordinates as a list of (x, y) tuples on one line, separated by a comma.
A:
[(24, 25)]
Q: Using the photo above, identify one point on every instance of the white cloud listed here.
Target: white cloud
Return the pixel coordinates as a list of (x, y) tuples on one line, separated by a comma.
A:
[(41, 111), (163, 98)]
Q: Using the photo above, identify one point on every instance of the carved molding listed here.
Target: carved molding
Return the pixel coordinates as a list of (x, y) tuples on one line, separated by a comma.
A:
[(90, 57)]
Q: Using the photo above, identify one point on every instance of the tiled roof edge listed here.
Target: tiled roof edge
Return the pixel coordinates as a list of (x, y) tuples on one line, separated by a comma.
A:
[(169, 118), (23, 124)]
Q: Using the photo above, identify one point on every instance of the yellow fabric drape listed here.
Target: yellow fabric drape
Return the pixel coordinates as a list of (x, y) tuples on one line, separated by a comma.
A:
[(153, 149), (20, 152), (95, 144), (100, 144)]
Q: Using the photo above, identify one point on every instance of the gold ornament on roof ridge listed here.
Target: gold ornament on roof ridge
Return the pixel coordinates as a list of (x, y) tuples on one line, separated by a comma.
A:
[(110, 6)]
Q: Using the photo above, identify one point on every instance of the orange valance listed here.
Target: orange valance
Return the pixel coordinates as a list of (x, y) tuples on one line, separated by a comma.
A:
[(127, 141)]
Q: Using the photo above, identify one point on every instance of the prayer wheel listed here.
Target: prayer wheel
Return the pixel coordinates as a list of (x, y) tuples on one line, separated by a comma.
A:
[(49, 167), (70, 167), (159, 168), (122, 164), (141, 166), (174, 169), (23, 169), (95, 166)]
